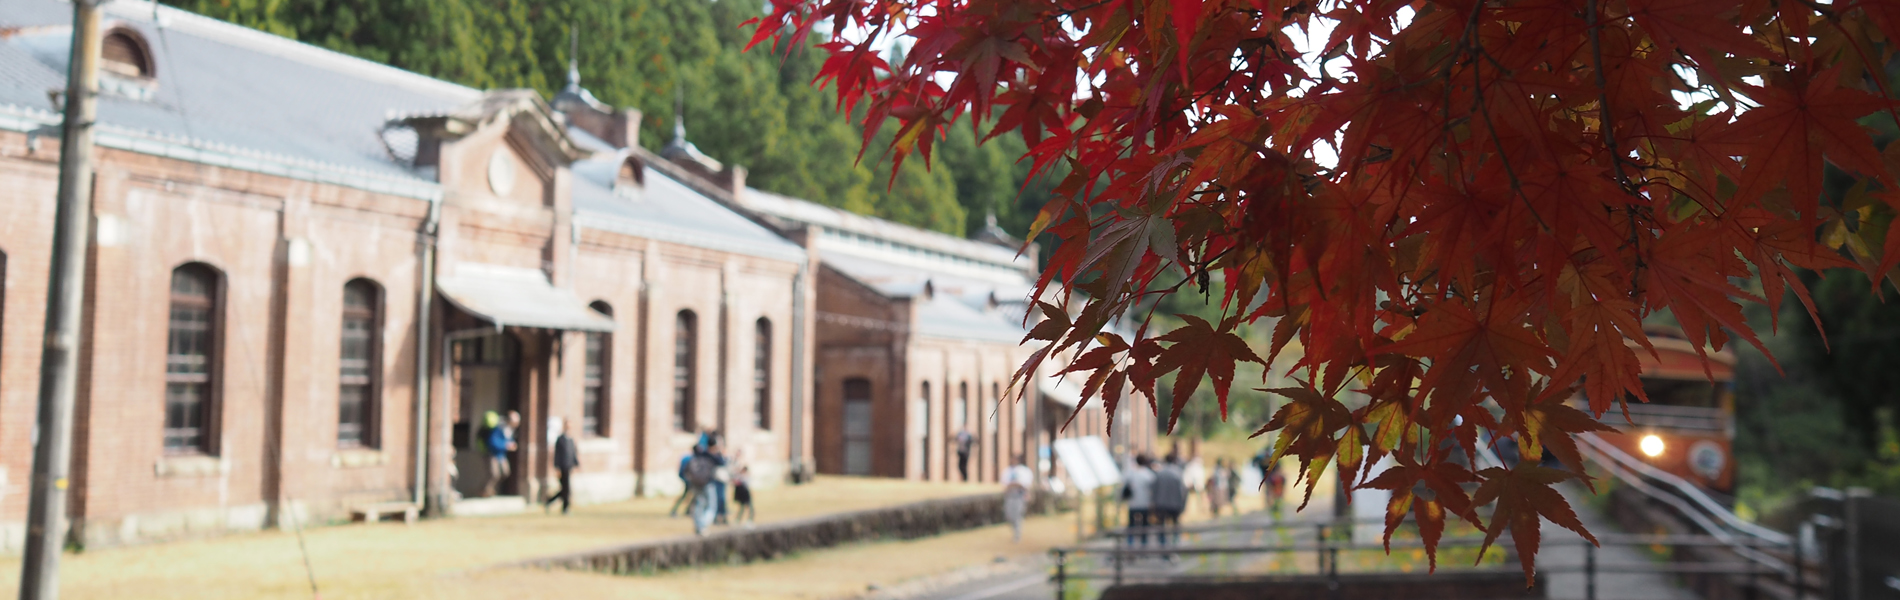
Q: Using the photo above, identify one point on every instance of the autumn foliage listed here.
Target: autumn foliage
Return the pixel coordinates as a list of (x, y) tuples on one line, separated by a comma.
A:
[(1459, 210)]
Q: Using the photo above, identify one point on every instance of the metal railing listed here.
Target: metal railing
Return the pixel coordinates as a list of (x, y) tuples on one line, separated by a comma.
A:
[(1112, 560)]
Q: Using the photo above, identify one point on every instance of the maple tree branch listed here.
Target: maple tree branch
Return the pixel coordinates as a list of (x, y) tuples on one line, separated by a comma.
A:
[(1605, 118), (1504, 157)]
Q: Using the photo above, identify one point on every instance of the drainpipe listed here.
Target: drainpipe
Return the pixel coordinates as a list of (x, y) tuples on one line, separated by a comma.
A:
[(798, 372), (425, 300)]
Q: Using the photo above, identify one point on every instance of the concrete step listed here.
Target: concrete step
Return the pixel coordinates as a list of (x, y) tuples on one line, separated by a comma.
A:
[(488, 507)]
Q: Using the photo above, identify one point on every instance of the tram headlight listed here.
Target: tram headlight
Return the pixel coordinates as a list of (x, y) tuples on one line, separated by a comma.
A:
[(1651, 445)]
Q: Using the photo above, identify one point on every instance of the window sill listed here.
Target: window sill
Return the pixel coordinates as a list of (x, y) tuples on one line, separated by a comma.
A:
[(188, 466), (357, 458)]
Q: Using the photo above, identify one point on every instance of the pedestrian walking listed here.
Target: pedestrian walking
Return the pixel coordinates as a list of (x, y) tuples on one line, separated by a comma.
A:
[(566, 459), (686, 489), (700, 472), (1170, 499), (1017, 482), (1233, 487), (722, 479), (1138, 489), (1219, 487), (501, 441), (742, 496), (964, 442), (1194, 474), (1276, 487)]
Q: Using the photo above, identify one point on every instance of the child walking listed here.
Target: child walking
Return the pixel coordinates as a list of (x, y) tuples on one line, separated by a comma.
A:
[(742, 495)]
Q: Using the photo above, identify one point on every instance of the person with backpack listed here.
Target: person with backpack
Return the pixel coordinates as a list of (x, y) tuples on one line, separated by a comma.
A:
[(501, 441), (566, 459), (700, 473), (1170, 500), (1138, 490), (686, 489)]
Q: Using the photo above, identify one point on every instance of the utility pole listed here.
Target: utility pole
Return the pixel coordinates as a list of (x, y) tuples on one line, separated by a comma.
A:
[(65, 298)]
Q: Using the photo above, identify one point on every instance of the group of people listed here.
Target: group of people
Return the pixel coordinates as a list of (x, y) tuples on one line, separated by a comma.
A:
[(1157, 494), (708, 475), (498, 437)]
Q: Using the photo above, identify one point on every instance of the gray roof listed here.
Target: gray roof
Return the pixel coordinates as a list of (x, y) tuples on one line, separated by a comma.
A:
[(948, 307), (942, 317), (990, 256), (666, 210), (228, 95), (231, 96)]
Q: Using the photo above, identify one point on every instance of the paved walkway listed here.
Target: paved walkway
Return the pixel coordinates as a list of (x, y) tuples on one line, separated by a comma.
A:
[(1561, 549), (1564, 548)]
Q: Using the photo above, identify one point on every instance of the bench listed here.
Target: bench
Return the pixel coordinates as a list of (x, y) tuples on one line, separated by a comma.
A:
[(371, 513)]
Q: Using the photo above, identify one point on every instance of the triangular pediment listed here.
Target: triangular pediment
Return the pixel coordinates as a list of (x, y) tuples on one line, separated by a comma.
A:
[(531, 123)]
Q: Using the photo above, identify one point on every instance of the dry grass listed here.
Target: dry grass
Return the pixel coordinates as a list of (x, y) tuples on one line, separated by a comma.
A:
[(833, 573), (433, 559)]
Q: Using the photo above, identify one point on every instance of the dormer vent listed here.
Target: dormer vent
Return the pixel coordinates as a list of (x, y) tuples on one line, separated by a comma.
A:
[(632, 174), (126, 54)]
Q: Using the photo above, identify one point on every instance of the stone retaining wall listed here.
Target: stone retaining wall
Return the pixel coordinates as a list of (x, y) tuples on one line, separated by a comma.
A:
[(772, 540)]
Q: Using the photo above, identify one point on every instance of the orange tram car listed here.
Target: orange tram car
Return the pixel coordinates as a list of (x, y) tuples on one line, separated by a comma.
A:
[(1688, 426)]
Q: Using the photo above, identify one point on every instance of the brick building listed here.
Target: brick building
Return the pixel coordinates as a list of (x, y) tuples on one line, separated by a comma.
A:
[(916, 335), (311, 275)]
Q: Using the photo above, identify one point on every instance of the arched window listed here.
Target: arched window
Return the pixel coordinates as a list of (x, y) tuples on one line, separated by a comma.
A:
[(762, 374), (3, 299), (857, 426), (923, 443), (191, 352), (595, 392), (685, 345), (1021, 420), (961, 420), (358, 377)]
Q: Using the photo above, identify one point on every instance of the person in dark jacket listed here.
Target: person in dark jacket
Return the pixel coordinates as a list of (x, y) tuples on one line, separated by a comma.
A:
[(566, 459), (700, 473), (1170, 499), (965, 442)]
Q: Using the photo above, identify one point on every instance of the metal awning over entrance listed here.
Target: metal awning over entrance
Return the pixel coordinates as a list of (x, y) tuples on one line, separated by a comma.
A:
[(512, 296)]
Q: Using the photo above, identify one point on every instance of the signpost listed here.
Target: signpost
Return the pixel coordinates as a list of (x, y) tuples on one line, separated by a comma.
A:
[(1090, 467)]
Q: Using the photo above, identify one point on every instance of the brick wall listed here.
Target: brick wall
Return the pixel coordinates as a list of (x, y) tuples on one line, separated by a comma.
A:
[(283, 250), (27, 197)]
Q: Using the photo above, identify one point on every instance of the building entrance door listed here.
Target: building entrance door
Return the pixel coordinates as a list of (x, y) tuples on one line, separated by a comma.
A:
[(857, 427), (486, 369)]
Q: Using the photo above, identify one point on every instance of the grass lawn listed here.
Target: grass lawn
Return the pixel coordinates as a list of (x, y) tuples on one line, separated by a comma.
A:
[(438, 558)]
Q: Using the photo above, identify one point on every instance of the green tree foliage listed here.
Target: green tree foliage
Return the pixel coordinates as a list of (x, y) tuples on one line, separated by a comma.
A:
[(757, 109), (1829, 412)]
